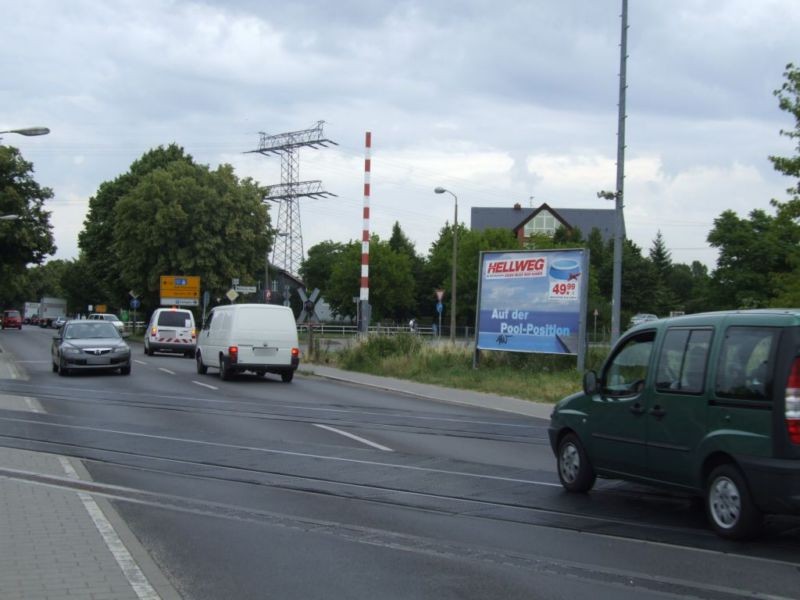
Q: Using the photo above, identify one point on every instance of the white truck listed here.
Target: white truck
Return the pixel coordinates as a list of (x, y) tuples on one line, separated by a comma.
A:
[(31, 310), (50, 309)]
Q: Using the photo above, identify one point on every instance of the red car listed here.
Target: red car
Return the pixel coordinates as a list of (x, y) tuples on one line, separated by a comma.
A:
[(12, 319)]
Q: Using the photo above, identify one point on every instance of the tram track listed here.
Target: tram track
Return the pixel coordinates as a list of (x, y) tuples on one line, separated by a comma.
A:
[(486, 501)]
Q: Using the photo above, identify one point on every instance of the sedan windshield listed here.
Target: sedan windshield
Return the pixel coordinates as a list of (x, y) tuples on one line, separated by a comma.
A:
[(90, 330)]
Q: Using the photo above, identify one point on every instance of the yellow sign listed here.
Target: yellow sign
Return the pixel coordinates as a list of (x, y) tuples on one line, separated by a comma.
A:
[(180, 289), (101, 308)]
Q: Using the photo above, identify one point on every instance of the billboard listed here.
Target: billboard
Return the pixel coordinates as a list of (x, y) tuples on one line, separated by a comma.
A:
[(533, 301), (180, 290)]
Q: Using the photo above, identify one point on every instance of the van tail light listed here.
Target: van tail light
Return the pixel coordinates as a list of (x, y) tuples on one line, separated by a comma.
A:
[(154, 331), (233, 354), (295, 352), (793, 403), (194, 333)]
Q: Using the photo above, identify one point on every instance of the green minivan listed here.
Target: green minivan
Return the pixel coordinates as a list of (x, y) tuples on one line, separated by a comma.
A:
[(708, 404)]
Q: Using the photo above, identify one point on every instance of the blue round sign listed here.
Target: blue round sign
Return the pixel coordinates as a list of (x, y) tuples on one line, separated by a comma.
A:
[(439, 307), (135, 303)]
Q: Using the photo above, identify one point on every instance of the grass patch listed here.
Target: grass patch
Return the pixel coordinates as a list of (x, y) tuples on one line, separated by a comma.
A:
[(538, 377)]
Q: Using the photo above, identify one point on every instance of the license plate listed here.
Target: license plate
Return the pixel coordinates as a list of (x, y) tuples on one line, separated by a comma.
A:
[(264, 351)]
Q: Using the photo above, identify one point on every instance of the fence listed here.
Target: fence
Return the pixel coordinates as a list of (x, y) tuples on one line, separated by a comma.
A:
[(332, 329)]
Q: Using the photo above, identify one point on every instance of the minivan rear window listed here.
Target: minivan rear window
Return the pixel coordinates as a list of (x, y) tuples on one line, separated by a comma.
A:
[(175, 318), (743, 367)]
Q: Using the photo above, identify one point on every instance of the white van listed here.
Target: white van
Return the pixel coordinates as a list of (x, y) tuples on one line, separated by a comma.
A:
[(261, 338), (171, 330)]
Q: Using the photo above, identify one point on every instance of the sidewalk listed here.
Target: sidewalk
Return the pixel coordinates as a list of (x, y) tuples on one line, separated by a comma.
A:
[(58, 543)]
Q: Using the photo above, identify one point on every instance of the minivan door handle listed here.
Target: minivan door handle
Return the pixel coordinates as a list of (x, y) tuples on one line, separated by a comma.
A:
[(658, 412), (637, 409)]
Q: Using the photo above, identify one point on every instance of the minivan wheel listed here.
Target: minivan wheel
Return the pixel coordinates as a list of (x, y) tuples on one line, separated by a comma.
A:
[(287, 376), (729, 506), (574, 469), (201, 368)]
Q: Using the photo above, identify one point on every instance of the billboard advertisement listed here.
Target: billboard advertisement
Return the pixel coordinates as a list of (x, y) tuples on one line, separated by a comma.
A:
[(533, 301)]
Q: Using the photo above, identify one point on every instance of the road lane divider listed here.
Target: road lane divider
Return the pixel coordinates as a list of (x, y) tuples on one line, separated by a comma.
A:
[(205, 385), (166, 370), (139, 362), (353, 437)]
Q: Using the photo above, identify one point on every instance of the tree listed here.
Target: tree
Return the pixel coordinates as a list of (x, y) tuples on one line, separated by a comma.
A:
[(168, 215), (754, 254), (28, 239), (789, 100), (391, 285), (400, 244), (97, 237), (663, 295), (317, 268)]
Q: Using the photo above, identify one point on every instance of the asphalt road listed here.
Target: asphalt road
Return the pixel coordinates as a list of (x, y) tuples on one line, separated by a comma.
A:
[(254, 488)]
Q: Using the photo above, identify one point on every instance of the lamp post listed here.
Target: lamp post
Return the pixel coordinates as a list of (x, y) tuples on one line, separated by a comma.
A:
[(441, 190), (28, 131)]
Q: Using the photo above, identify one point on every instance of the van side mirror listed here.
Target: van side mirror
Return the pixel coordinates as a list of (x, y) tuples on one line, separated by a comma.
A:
[(590, 384)]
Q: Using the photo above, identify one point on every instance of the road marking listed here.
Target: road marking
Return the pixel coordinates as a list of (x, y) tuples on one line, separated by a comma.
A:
[(141, 362), (353, 437), (205, 385), (166, 370), (141, 586)]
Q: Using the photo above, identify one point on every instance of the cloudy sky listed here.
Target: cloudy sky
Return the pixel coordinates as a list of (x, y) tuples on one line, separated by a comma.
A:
[(500, 102)]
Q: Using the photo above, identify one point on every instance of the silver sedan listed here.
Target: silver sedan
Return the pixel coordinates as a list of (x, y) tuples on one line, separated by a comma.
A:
[(90, 345)]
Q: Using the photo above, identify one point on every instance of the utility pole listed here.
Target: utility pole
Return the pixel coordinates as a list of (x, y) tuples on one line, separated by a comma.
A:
[(619, 222), (287, 253)]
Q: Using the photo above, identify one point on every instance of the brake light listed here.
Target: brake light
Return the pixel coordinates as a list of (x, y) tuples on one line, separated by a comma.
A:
[(154, 331), (233, 354), (194, 333), (793, 403), (295, 352)]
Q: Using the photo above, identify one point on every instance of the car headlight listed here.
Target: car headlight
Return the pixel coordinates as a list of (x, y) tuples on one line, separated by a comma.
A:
[(70, 350), (121, 350)]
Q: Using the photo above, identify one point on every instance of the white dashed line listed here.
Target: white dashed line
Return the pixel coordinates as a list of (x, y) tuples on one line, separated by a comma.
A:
[(166, 370), (354, 437), (205, 385), (139, 362)]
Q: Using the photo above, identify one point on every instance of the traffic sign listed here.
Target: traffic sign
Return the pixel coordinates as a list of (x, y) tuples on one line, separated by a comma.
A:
[(245, 289), (135, 303), (439, 295), (181, 290), (231, 295), (439, 307)]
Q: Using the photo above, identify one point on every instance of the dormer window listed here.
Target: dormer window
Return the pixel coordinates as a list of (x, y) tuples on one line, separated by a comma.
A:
[(543, 223)]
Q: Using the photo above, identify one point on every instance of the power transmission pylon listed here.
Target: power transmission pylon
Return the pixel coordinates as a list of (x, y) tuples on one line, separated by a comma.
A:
[(287, 252)]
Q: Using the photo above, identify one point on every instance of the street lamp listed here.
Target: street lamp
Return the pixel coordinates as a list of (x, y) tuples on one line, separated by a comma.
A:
[(28, 131), (441, 190), (9, 217)]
